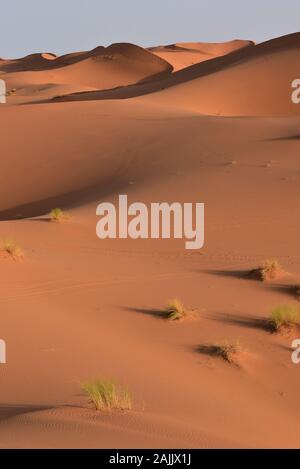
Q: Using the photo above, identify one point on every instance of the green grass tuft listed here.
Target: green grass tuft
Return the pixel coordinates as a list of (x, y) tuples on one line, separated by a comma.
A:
[(105, 395), (57, 214), (284, 317), (174, 310), (12, 248)]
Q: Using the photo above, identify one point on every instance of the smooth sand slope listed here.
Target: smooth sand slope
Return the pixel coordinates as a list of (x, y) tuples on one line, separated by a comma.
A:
[(47, 75), (184, 54), (256, 83), (251, 81), (77, 307)]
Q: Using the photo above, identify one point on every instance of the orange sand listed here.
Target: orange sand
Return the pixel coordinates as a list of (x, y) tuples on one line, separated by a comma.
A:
[(77, 308)]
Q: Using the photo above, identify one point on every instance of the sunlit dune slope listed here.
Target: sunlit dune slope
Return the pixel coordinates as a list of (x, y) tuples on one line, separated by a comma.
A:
[(184, 54), (253, 81), (116, 65), (257, 83)]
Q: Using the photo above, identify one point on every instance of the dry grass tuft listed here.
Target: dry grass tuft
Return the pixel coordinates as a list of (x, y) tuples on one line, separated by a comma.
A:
[(105, 395), (11, 92), (284, 317), (12, 248), (268, 271), (174, 310), (229, 351), (57, 215)]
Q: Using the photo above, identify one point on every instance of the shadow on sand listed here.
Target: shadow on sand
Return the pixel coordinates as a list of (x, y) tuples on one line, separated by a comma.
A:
[(12, 410), (210, 350), (158, 313), (240, 274), (252, 322), (290, 290)]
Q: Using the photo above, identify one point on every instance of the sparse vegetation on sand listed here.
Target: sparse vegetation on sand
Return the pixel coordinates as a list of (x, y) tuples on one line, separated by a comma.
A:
[(174, 310), (12, 248), (269, 270), (11, 92), (229, 351), (105, 395), (284, 317), (57, 214), (297, 291)]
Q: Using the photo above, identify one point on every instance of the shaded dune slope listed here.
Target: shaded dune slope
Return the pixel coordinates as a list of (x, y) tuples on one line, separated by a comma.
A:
[(250, 81), (116, 65), (110, 430), (96, 149)]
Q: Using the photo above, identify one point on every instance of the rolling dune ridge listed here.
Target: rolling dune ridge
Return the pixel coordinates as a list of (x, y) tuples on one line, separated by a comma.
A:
[(183, 54), (101, 68), (154, 126)]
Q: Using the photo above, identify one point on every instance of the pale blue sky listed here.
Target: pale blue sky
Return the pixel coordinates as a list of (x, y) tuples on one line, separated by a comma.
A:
[(62, 26)]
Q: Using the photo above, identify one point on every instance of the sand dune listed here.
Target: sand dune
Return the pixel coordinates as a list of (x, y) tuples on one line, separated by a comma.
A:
[(106, 431), (101, 68), (184, 54), (252, 81), (258, 82), (76, 307)]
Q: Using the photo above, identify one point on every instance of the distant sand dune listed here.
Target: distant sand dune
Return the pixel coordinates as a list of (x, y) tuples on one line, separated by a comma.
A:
[(101, 68), (184, 54), (249, 81)]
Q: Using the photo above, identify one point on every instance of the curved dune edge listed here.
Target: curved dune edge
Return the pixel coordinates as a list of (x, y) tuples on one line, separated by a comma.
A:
[(184, 54), (101, 68), (258, 83), (252, 81), (58, 427), (48, 60)]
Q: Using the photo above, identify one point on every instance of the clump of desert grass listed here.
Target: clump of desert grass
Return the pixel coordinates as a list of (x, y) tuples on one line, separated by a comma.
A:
[(268, 271), (229, 351), (10, 247), (284, 318), (174, 310), (106, 395), (11, 92), (57, 215)]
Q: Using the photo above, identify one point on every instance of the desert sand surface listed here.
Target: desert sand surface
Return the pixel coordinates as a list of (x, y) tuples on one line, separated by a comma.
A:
[(183, 54), (223, 132), (250, 81), (45, 75)]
